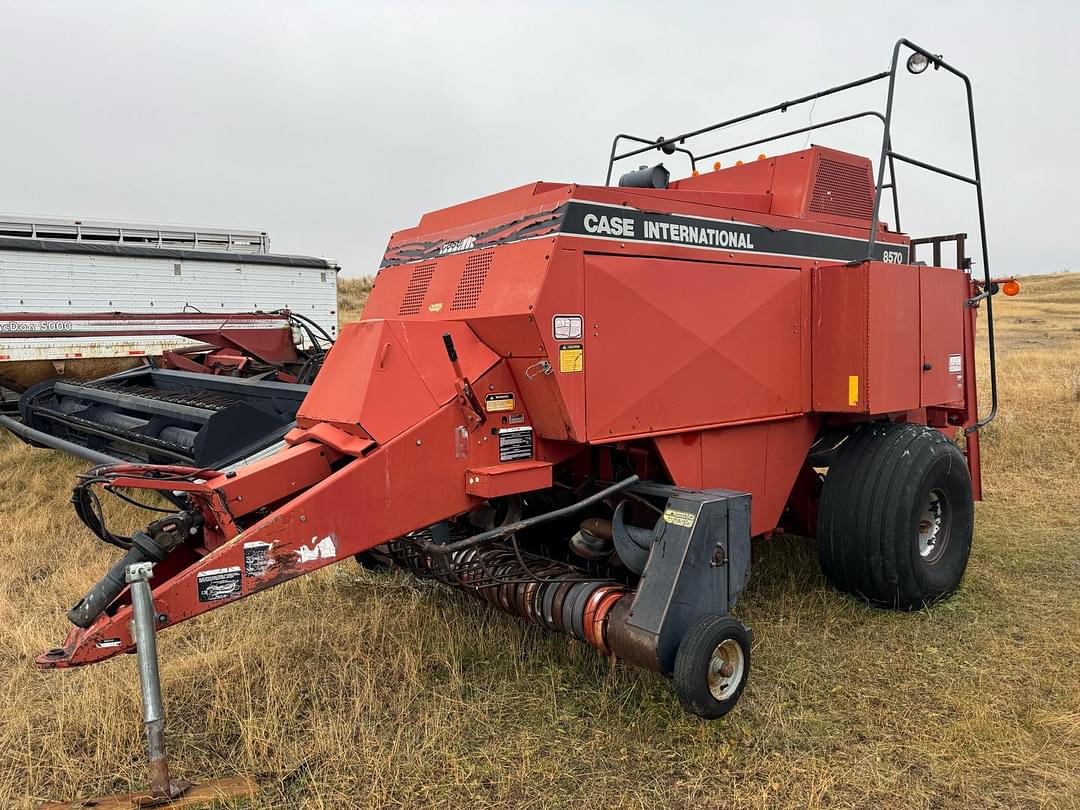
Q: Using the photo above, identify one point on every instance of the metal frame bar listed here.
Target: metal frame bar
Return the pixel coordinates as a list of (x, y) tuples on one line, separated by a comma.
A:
[(783, 106), (887, 153)]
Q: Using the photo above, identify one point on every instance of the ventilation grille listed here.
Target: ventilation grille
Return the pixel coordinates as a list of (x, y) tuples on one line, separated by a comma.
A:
[(842, 189), (472, 281), (417, 289)]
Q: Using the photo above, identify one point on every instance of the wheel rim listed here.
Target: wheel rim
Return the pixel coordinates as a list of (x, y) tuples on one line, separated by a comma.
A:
[(934, 524), (726, 668)]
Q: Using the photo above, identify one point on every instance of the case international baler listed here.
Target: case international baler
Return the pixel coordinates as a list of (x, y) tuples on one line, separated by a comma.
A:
[(580, 403)]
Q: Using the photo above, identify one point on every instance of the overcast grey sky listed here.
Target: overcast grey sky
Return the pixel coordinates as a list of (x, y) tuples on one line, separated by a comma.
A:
[(333, 124)]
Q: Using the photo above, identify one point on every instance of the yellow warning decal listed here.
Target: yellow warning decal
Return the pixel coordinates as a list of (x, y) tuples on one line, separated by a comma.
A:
[(436, 307), (571, 358), (499, 402), (853, 389), (679, 518)]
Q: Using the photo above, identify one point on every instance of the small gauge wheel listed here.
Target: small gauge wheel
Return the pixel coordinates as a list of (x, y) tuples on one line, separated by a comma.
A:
[(712, 665)]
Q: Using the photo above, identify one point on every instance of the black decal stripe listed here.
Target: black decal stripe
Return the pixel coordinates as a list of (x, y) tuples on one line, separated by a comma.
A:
[(527, 227), (720, 234), (660, 228)]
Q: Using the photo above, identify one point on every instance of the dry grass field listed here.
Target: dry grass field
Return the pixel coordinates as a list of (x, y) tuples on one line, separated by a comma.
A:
[(349, 689)]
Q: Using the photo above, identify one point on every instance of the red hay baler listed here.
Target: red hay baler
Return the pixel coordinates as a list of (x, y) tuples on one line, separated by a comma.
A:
[(564, 399)]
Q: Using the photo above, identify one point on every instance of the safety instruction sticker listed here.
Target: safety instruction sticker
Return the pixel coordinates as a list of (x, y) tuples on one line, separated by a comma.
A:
[(515, 443), (956, 364), (571, 358), (677, 517), (219, 583), (256, 558), (499, 402), (567, 327)]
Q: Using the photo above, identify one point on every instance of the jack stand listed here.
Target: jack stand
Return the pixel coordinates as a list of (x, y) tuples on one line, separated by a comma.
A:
[(164, 792), (162, 788)]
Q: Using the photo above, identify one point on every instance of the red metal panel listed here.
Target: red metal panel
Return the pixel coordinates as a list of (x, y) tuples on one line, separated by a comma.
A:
[(681, 456), (865, 338), (677, 344), (508, 479), (892, 377), (942, 294), (791, 183), (382, 378), (762, 458), (563, 296), (543, 399), (839, 333)]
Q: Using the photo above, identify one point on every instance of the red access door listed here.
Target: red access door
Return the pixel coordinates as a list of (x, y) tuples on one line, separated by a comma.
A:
[(673, 345), (942, 294)]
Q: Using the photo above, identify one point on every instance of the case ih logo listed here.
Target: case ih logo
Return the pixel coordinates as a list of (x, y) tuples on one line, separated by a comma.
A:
[(455, 247)]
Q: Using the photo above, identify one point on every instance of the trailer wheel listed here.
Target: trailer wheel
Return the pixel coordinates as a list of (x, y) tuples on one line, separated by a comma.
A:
[(712, 665), (896, 516)]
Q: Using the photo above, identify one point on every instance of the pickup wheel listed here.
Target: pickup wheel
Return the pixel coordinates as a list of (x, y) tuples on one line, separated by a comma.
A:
[(712, 665), (896, 516)]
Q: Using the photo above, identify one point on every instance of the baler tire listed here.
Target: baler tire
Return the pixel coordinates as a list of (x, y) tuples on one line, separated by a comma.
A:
[(702, 688), (896, 516)]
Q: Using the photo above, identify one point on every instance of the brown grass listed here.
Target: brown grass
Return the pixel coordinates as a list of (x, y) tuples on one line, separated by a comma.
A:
[(346, 689)]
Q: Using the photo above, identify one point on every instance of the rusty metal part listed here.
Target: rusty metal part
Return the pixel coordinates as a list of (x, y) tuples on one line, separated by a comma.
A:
[(521, 605), (592, 605), (532, 603), (600, 619), (590, 609), (598, 528), (625, 641), (590, 546)]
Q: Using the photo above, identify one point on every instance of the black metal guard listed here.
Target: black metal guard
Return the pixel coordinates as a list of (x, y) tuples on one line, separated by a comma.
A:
[(888, 156)]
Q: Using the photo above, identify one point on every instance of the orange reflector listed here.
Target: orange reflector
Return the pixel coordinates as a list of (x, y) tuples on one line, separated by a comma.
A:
[(1011, 287), (716, 166), (696, 173), (738, 163), (761, 156)]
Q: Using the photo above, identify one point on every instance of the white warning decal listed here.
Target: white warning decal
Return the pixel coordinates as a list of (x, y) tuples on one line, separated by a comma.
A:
[(955, 364), (325, 549), (257, 559), (515, 443)]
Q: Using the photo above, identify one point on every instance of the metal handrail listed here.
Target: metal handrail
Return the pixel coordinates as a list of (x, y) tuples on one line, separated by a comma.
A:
[(887, 153)]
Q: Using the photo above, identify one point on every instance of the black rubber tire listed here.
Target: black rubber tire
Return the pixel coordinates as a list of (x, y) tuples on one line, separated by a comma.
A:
[(692, 662), (872, 502)]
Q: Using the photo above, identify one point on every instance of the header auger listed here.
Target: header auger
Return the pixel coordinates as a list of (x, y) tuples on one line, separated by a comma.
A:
[(580, 403)]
